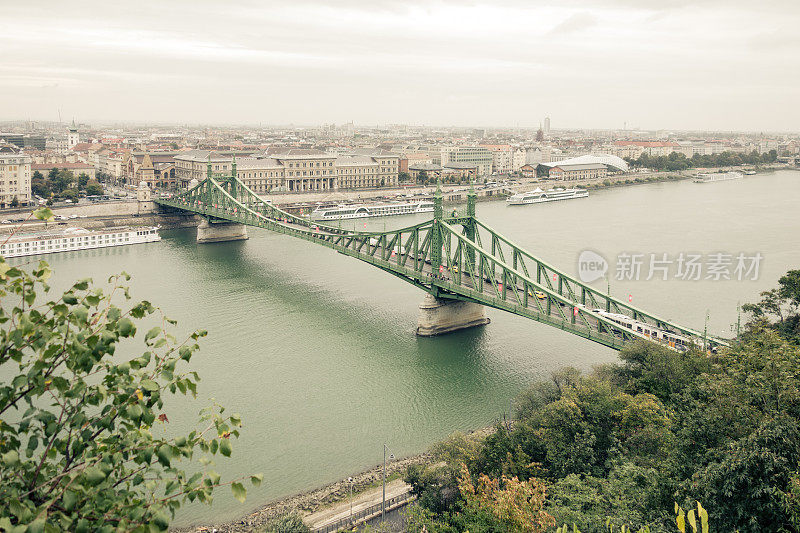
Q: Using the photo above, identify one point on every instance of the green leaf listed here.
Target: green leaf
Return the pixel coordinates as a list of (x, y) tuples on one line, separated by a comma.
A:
[(94, 475), (11, 458), (164, 454), (256, 479), (43, 213), (149, 385), (239, 492), (69, 500), (225, 447), (161, 520), (125, 327), (152, 333)]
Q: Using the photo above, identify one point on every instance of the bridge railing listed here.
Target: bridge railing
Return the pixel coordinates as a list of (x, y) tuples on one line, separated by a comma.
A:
[(365, 514)]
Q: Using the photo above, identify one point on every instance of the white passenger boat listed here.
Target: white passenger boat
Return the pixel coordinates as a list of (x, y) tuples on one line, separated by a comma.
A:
[(70, 239), (708, 177), (344, 211), (539, 196)]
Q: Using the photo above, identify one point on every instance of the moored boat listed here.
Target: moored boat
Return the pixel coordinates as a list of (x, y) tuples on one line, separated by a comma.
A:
[(709, 177), (72, 239), (539, 196), (345, 211)]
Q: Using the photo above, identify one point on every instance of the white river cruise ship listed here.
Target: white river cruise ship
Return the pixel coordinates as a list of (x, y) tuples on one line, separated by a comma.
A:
[(342, 212), (539, 196), (709, 177), (49, 242)]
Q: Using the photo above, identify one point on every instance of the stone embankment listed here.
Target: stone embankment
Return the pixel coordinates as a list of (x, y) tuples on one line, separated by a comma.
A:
[(168, 221), (311, 501)]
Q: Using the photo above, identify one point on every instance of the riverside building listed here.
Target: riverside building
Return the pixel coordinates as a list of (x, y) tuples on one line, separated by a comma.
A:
[(295, 169), (15, 176)]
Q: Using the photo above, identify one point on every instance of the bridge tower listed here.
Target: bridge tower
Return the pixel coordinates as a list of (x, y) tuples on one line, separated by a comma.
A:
[(213, 229), (439, 314)]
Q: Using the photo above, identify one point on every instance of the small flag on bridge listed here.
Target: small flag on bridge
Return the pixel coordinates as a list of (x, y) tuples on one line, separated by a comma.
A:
[(500, 287), (630, 297), (575, 310), (441, 269), (393, 253), (555, 277)]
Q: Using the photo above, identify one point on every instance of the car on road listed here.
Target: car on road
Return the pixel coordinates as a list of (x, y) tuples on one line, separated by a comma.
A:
[(61, 217), (6, 221)]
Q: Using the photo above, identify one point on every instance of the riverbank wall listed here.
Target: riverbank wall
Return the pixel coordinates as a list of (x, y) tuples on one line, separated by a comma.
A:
[(164, 221)]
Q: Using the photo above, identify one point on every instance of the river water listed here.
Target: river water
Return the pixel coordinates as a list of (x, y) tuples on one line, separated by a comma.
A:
[(317, 350)]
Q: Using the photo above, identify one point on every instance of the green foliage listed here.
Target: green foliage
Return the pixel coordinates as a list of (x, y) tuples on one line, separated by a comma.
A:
[(288, 523), (93, 188), (676, 161), (84, 441), (779, 308), (63, 184), (619, 446), (657, 370)]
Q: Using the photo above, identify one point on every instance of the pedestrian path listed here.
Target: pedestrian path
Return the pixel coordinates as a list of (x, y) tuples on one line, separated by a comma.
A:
[(341, 511)]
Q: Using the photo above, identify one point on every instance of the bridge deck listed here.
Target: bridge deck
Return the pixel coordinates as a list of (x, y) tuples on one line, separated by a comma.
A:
[(468, 271)]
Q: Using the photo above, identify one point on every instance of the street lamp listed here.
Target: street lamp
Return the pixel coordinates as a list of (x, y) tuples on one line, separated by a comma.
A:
[(383, 502), (350, 480)]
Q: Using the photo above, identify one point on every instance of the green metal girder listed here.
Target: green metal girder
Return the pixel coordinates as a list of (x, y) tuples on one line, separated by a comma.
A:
[(226, 198)]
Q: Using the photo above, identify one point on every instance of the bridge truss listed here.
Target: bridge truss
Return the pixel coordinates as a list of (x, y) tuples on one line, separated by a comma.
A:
[(454, 257)]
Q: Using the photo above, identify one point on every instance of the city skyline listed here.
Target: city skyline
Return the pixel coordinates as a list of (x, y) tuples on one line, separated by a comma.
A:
[(712, 66)]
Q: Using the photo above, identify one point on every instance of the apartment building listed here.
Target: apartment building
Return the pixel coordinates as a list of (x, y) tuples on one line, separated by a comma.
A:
[(478, 156), (15, 176)]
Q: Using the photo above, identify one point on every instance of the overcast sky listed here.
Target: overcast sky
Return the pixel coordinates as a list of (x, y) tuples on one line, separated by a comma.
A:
[(671, 64)]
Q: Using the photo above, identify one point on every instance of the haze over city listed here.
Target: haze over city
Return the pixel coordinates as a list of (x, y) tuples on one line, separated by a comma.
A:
[(709, 65)]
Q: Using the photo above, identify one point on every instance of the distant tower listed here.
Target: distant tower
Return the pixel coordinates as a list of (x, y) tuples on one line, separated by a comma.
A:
[(547, 124), (540, 134), (72, 137)]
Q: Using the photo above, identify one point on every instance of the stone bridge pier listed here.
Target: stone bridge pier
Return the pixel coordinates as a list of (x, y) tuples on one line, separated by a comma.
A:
[(211, 230), (438, 316)]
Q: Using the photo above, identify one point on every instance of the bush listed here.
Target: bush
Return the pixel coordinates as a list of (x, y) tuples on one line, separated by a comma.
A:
[(288, 523)]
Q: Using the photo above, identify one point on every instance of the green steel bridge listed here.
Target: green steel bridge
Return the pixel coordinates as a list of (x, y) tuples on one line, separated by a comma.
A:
[(453, 257)]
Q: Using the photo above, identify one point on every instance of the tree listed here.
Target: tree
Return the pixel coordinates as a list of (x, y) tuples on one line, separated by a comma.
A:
[(512, 504), (39, 185), (69, 194), (403, 176), (15, 202), (422, 177), (93, 188), (782, 304), (83, 179), (62, 180), (83, 444)]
